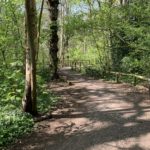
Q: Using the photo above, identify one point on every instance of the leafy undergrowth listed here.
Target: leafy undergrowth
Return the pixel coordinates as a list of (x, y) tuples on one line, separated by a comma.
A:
[(46, 99), (93, 72), (97, 73), (13, 122)]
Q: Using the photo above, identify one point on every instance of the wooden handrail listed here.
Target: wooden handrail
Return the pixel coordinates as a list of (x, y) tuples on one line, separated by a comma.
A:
[(75, 64), (79, 64), (132, 75)]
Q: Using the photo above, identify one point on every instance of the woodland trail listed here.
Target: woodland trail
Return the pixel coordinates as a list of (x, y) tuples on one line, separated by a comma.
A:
[(97, 115)]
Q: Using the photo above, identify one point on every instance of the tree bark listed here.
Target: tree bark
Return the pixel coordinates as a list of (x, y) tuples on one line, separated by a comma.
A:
[(61, 35), (53, 42), (29, 100), (39, 29)]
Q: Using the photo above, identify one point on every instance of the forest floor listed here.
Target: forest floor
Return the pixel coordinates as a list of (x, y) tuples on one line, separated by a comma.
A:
[(96, 115)]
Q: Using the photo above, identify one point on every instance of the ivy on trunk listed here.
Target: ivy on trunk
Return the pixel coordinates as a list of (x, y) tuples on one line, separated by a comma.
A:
[(53, 42)]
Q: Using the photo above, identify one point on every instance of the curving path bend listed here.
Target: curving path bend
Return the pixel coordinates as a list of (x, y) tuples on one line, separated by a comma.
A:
[(97, 115)]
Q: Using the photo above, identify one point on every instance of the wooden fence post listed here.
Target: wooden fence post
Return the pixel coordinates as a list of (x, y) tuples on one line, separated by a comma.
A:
[(75, 65), (72, 65), (80, 66), (135, 80), (117, 77)]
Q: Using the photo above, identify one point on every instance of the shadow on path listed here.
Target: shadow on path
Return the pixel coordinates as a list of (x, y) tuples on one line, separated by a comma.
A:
[(97, 116)]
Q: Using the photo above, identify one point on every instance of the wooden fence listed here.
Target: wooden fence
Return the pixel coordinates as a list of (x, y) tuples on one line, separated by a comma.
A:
[(78, 65)]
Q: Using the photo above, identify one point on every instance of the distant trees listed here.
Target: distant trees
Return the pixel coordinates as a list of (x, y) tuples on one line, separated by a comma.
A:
[(64, 37), (117, 33), (10, 32), (29, 99)]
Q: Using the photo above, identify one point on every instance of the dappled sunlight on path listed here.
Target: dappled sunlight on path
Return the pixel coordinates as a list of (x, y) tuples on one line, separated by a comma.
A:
[(97, 115)]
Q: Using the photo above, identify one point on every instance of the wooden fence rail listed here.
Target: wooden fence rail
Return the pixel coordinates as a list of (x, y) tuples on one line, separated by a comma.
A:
[(78, 65)]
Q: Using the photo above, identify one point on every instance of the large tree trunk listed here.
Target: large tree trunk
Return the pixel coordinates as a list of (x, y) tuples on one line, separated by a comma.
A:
[(53, 43), (29, 100)]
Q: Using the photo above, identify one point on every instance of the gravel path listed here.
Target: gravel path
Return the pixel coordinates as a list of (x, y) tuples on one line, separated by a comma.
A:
[(97, 115)]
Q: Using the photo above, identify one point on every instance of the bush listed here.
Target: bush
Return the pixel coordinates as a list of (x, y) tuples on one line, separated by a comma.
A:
[(13, 124), (130, 65), (95, 71)]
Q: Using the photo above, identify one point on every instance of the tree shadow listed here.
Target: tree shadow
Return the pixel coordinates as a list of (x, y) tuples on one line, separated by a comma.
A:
[(106, 121)]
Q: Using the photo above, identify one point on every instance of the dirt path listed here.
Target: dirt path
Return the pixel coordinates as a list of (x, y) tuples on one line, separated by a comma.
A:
[(97, 116)]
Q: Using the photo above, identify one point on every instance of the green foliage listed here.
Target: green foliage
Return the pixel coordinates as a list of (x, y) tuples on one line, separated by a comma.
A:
[(93, 71), (118, 34), (11, 30), (11, 88), (111, 35), (46, 99), (14, 123), (99, 73), (131, 65)]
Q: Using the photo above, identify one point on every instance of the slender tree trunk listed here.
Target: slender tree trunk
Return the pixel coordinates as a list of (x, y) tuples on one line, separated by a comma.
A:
[(29, 100), (66, 36), (39, 29), (121, 2), (99, 3), (61, 43), (53, 42)]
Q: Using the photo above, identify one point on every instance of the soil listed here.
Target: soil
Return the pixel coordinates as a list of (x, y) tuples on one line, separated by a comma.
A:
[(93, 115)]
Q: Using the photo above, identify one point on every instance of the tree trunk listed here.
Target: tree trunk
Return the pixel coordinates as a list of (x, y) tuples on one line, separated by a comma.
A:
[(61, 40), (39, 29), (53, 42), (29, 100), (66, 35)]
